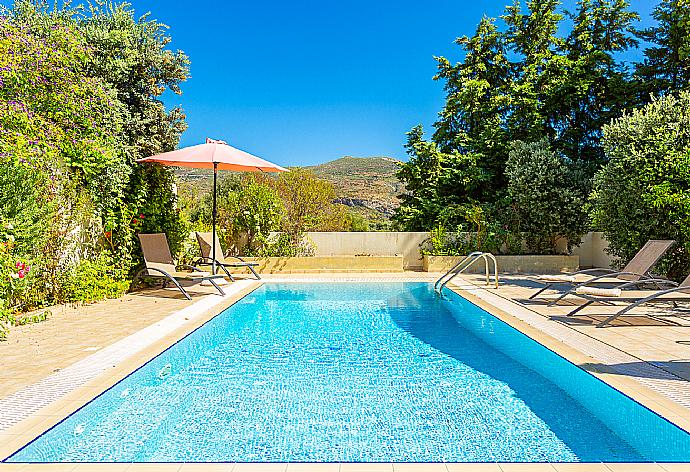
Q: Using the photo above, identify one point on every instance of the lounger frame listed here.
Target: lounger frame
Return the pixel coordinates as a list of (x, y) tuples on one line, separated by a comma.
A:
[(636, 301), (206, 259), (145, 272), (644, 261), (159, 263)]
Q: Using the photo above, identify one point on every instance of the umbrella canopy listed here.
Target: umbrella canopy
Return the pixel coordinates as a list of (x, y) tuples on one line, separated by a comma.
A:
[(214, 154)]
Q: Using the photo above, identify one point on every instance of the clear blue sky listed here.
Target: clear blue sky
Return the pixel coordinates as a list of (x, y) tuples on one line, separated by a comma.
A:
[(302, 82)]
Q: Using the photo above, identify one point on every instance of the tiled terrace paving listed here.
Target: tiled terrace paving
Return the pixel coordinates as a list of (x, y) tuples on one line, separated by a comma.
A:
[(655, 334), (72, 333), (653, 354)]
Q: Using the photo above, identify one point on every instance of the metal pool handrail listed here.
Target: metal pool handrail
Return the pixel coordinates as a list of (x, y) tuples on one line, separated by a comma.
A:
[(465, 264)]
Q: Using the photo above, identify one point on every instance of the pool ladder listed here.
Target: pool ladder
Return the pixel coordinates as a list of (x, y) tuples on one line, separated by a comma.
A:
[(465, 264)]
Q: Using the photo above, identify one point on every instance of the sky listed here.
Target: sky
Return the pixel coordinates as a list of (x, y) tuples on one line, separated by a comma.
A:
[(304, 82)]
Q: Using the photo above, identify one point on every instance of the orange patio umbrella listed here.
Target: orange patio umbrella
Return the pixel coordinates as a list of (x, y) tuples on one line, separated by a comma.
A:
[(216, 155)]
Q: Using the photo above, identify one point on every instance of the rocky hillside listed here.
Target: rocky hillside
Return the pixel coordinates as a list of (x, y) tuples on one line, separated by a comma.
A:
[(366, 184)]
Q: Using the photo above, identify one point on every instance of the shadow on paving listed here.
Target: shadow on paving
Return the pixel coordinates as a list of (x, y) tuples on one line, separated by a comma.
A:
[(629, 321), (679, 368)]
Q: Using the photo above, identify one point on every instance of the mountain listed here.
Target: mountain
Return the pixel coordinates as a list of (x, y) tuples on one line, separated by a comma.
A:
[(366, 184)]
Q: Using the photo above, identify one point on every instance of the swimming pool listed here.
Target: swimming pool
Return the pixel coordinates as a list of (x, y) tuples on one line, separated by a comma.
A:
[(349, 372)]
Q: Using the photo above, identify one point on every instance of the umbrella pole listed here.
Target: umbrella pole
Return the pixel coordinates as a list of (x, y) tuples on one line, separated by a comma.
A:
[(213, 218)]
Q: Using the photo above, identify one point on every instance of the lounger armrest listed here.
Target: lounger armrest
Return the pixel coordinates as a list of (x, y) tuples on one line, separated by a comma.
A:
[(190, 267), (205, 260), (615, 274), (657, 282), (592, 271)]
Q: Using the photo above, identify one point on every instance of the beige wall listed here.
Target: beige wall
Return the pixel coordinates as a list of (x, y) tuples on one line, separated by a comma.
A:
[(371, 243), (591, 251)]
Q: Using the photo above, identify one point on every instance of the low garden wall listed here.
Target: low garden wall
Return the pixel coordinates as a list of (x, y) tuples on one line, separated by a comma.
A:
[(507, 264), (388, 243), (591, 252), (287, 265)]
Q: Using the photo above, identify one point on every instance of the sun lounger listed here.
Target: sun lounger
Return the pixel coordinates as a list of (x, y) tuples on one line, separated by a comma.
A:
[(204, 239), (622, 293), (638, 268), (160, 264)]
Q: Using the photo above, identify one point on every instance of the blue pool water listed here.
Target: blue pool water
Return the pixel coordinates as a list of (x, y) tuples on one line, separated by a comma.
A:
[(358, 372)]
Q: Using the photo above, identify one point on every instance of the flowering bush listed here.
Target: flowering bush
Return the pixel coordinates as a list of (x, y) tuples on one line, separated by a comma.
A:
[(73, 118), (51, 113), (56, 134), (14, 274)]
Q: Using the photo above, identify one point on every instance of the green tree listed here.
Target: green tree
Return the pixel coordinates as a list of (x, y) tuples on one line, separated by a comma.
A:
[(643, 192), (523, 81), (666, 65), (435, 181), (546, 197), (472, 122), (537, 70), (597, 85), (308, 204), (131, 55)]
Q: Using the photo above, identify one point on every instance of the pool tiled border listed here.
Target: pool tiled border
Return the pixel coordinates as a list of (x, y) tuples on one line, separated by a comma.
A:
[(28, 413), (350, 467)]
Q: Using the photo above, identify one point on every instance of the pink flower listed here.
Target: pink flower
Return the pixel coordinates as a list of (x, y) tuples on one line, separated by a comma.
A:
[(135, 221), (21, 274)]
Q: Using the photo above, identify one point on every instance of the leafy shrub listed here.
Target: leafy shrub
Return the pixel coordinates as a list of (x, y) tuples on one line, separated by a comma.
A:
[(483, 228), (284, 245), (547, 197), (14, 279), (644, 191), (440, 243), (95, 279)]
